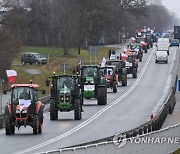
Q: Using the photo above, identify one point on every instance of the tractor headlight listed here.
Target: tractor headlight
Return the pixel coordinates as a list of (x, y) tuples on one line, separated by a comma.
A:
[(92, 82), (61, 97), (67, 97), (17, 111), (24, 111)]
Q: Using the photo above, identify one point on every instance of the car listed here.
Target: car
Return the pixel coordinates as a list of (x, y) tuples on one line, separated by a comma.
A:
[(161, 56), (30, 57), (174, 42)]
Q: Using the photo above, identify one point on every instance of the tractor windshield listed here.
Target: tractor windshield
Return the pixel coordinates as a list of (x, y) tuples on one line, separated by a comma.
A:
[(22, 93), (130, 59), (89, 71), (63, 82)]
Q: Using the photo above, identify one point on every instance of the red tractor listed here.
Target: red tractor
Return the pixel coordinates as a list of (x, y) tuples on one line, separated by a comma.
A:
[(111, 75), (24, 108)]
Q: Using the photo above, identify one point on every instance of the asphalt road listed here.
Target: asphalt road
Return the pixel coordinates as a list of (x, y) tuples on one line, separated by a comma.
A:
[(127, 109)]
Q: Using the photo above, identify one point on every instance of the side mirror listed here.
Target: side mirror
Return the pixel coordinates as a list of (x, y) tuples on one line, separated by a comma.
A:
[(43, 92), (5, 92), (47, 82)]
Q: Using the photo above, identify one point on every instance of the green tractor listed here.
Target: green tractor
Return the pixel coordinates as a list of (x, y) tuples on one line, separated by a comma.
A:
[(121, 69), (65, 96), (93, 83)]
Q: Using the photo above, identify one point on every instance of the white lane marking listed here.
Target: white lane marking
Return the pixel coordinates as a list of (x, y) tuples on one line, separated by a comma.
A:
[(95, 116)]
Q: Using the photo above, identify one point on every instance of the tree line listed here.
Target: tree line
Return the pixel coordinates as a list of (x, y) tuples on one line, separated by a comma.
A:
[(75, 23)]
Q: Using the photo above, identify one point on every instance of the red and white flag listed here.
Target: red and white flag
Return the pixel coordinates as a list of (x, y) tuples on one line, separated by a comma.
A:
[(11, 74), (124, 56)]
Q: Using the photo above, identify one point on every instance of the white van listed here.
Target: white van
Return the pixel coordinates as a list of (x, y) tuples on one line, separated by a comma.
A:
[(161, 56), (163, 44)]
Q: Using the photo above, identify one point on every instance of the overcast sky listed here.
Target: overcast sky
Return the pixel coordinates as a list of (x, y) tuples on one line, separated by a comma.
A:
[(172, 5)]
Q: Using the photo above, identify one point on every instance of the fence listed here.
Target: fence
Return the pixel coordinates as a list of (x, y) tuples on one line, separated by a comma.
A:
[(166, 145)]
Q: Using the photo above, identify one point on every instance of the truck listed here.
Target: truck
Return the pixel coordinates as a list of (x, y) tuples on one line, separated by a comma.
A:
[(163, 44)]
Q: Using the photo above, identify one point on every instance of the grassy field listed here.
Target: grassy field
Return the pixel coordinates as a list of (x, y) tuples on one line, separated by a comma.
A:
[(56, 58)]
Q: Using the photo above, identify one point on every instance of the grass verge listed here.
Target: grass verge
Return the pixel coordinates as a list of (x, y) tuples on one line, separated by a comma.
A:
[(56, 58)]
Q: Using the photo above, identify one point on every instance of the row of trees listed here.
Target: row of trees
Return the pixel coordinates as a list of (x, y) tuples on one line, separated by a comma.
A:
[(78, 23), (9, 42), (75, 23)]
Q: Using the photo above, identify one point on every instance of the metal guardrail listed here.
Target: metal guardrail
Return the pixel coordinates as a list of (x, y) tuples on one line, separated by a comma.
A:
[(135, 145)]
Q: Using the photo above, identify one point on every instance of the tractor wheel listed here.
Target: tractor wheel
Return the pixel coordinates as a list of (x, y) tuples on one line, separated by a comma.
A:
[(146, 50), (124, 80), (8, 127), (140, 59), (77, 109), (40, 129), (53, 111), (102, 96), (82, 100), (12, 129), (40, 115), (134, 72), (36, 125), (114, 87)]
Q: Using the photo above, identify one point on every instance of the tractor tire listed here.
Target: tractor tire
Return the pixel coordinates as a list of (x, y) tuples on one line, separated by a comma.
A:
[(102, 96), (36, 125), (114, 88), (40, 129), (40, 115), (8, 127), (146, 50), (124, 80), (82, 100), (134, 73), (77, 109), (12, 129), (53, 111)]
